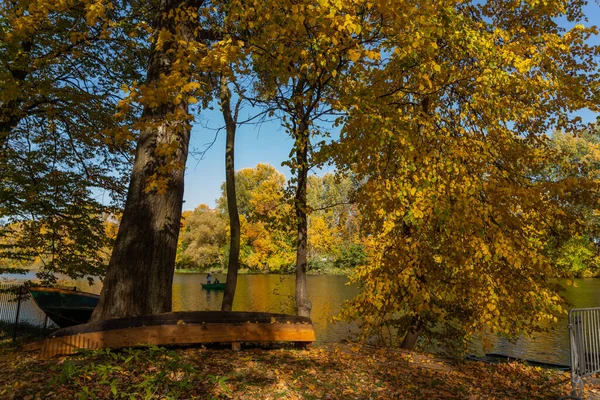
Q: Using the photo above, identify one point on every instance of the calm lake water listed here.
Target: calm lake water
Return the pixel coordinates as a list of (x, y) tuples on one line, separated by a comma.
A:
[(275, 293)]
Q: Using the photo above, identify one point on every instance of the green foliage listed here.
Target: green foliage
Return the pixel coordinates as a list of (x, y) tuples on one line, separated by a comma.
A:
[(579, 256), (220, 381), (574, 249), (202, 238), (157, 372), (351, 256)]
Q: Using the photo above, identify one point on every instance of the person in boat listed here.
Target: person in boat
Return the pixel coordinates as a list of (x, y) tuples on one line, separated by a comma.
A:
[(208, 278)]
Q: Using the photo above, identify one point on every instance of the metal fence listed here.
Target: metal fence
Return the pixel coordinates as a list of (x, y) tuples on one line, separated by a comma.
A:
[(19, 315), (584, 333)]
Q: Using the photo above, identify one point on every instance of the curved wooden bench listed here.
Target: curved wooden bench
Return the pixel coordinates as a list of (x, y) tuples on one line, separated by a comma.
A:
[(181, 328)]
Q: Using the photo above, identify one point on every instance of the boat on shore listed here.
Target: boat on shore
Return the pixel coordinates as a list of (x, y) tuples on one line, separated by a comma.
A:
[(66, 307), (213, 286)]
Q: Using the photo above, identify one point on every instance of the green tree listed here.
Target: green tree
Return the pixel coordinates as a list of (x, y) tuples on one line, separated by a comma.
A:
[(578, 158), (333, 222), (202, 238)]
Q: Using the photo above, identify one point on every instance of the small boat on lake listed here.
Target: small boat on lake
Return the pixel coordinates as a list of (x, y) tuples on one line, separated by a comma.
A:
[(66, 307), (213, 286)]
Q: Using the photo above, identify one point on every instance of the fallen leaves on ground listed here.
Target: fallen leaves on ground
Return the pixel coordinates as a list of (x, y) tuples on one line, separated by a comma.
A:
[(334, 371)]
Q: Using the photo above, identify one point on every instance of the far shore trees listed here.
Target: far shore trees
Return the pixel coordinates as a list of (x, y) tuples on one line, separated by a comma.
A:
[(267, 227)]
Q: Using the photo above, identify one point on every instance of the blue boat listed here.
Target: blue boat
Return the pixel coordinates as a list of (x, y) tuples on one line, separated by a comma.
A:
[(65, 307)]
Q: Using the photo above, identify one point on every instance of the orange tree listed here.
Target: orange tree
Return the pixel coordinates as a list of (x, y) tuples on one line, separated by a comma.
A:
[(265, 213)]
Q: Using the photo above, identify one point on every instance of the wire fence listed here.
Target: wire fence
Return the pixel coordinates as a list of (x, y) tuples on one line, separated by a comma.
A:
[(19, 315)]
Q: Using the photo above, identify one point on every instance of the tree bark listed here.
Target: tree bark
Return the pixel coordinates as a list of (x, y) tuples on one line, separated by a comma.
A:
[(303, 305), (139, 278), (412, 335), (234, 217)]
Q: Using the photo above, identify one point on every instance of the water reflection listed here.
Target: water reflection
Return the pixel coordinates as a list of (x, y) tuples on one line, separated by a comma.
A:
[(553, 346), (275, 293), (271, 293)]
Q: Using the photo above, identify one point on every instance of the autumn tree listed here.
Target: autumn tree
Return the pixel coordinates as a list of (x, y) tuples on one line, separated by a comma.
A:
[(300, 52), (578, 157), (265, 213), (62, 67), (333, 222), (448, 139)]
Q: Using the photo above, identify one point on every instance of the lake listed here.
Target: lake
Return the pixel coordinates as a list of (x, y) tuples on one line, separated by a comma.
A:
[(275, 293)]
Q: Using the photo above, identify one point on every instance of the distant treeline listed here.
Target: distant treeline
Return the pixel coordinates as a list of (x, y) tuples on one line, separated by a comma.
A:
[(268, 226)]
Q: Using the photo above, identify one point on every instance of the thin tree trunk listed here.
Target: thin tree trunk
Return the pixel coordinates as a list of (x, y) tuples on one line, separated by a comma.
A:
[(232, 209), (139, 278), (412, 335), (303, 305)]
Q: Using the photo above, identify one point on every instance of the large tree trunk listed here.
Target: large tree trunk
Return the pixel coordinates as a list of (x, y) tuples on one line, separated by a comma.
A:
[(412, 335), (303, 305), (234, 217), (140, 273)]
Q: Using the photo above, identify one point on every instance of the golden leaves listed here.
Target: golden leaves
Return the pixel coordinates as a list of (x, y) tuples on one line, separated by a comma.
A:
[(94, 11), (437, 178), (354, 55)]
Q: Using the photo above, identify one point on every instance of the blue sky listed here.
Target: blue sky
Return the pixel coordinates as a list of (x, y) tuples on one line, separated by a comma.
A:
[(265, 143)]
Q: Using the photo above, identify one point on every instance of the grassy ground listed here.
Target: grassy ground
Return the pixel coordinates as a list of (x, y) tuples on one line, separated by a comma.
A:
[(324, 372)]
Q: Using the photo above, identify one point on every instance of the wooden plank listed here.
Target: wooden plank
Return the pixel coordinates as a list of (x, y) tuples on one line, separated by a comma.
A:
[(33, 346), (179, 334), (187, 317)]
